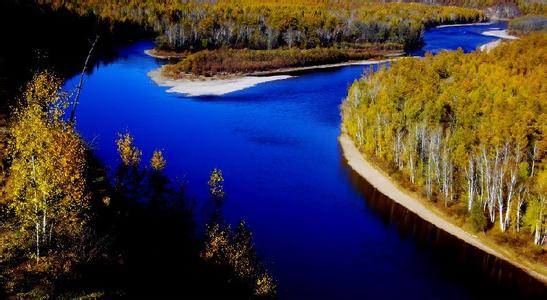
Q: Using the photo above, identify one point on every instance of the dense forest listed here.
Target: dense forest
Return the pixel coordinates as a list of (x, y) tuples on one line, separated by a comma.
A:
[(467, 131), (200, 25), (448, 125), (499, 8), (527, 24)]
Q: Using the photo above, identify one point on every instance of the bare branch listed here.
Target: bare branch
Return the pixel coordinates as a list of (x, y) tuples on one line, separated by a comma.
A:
[(78, 89)]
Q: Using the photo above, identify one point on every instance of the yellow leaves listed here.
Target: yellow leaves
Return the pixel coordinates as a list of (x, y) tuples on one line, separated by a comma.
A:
[(47, 161), (157, 162), (129, 153), (202, 25), (217, 242), (265, 285), (43, 89), (236, 250), (477, 101), (216, 184), (541, 183)]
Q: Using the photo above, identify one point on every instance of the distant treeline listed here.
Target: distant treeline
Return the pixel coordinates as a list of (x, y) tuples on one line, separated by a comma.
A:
[(527, 24), (197, 25), (500, 8), (467, 130)]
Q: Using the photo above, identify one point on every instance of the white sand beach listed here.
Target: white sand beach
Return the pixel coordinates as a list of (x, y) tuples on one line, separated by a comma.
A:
[(220, 86), (502, 34), (212, 87)]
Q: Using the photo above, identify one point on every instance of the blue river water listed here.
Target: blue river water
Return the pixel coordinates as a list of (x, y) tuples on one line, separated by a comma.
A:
[(276, 144)]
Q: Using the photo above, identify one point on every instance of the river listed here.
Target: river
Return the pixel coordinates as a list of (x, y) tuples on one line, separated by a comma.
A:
[(276, 143)]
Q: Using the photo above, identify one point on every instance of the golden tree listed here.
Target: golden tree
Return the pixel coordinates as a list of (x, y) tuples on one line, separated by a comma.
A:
[(224, 246), (157, 162), (216, 182), (129, 153), (46, 183)]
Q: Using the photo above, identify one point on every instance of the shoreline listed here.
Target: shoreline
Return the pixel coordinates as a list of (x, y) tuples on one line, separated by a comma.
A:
[(489, 46), (153, 53), (379, 180), (210, 87), (221, 85), (328, 66), (500, 34), (466, 24)]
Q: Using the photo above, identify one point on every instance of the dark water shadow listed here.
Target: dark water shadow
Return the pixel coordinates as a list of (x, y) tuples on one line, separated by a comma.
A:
[(37, 38), (481, 274), (144, 243)]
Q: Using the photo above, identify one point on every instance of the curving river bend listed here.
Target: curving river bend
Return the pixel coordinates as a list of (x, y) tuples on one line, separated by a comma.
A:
[(276, 144)]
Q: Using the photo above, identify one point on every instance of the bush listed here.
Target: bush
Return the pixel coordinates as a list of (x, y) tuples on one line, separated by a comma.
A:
[(229, 61), (477, 219)]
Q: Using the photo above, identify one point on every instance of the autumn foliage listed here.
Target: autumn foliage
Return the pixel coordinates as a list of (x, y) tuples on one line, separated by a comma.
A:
[(46, 187), (245, 61), (236, 250), (157, 162), (465, 129), (129, 153), (198, 25)]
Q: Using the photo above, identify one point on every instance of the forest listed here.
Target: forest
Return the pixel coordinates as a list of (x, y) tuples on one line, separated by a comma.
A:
[(447, 126), (245, 61), (467, 132), (71, 228), (196, 25), (527, 24), (500, 8)]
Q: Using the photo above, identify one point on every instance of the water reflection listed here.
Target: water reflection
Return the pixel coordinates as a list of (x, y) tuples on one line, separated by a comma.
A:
[(484, 275)]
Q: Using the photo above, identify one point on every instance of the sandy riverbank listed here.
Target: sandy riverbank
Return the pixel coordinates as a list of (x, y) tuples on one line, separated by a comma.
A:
[(328, 66), (502, 34), (164, 55), (210, 87), (216, 86), (489, 46), (466, 24), (384, 185)]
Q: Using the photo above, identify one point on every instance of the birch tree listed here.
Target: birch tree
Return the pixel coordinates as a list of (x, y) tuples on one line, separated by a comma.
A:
[(46, 184)]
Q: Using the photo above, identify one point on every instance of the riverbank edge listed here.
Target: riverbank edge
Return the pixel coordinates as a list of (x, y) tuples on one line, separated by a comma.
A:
[(201, 85), (500, 34), (172, 55), (385, 185), (464, 24), (209, 87)]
